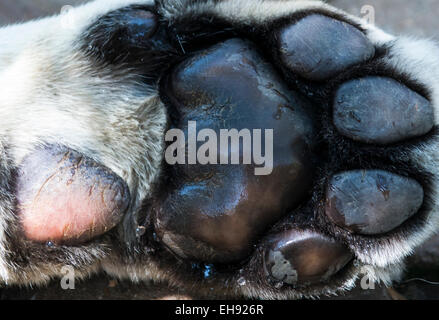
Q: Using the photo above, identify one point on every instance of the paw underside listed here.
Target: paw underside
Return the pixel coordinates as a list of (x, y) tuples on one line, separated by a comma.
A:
[(342, 188)]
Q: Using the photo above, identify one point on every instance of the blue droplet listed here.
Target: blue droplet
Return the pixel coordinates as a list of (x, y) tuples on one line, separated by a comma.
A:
[(208, 271), (50, 244)]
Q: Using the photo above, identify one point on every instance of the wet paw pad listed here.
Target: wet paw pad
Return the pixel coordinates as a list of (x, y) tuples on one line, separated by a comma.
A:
[(217, 211), (66, 198), (304, 257)]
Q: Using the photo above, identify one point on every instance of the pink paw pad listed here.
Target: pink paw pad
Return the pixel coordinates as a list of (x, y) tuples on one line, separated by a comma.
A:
[(66, 198)]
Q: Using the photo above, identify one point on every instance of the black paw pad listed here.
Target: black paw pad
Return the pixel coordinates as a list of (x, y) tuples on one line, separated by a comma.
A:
[(217, 211), (318, 47), (372, 202), (137, 26), (381, 110), (133, 37), (305, 257)]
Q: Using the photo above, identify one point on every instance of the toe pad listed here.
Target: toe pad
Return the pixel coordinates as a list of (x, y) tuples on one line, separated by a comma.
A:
[(305, 257), (381, 110), (318, 47), (372, 202)]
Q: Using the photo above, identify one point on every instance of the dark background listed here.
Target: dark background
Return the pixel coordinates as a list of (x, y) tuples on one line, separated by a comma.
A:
[(417, 18)]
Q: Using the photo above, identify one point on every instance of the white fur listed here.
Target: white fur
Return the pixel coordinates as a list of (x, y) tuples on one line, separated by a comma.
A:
[(52, 94)]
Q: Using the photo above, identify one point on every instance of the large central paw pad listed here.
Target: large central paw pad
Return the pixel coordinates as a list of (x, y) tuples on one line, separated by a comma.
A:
[(217, 210)]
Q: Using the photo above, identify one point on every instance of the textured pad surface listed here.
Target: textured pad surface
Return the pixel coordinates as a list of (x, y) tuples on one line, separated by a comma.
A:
[(66, 198), (372, 201), (318, 47), (381, 110)]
